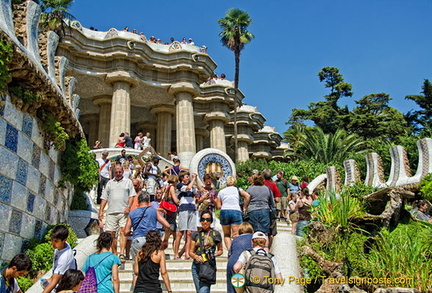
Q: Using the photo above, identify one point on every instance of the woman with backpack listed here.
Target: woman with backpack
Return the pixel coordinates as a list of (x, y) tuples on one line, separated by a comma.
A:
[(148, 262), (205, 246), (105, 264)]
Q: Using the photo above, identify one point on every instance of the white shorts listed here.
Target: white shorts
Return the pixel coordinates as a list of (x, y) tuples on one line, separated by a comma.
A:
[(115, 221), (186, 221)]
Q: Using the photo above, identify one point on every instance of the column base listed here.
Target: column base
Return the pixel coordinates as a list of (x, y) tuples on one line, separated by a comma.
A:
[(185, 158)]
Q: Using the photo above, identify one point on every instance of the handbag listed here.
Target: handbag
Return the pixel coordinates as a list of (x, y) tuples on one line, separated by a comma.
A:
[(207, 270), (170, 208)]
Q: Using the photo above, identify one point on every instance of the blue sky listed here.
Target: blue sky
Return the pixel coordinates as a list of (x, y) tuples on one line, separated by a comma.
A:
[(379, 46)]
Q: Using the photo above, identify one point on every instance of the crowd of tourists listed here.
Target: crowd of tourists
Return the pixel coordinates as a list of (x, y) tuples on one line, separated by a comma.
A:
[(141, 210)]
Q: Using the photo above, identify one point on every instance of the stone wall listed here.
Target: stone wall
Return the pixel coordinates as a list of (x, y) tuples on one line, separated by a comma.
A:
[(29, 195)]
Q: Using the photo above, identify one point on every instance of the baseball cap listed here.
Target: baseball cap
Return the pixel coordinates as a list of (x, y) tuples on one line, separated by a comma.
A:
[(259, 235)]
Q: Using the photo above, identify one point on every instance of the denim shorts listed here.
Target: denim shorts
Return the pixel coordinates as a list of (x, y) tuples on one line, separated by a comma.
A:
[(260, 220), (230, 217)]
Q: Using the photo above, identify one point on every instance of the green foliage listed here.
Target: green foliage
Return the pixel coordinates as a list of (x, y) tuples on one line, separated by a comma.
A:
[(422, 119), (54, 12), (308, 168), (403, 253), (338, 213), (25, 283), (6, 51), (72, 238), (55, 134), (41, 256), (426, 187), (311, 267), (329, 148), (234, 27), (358, 190), (26, 95), (78, 166), (79, 201)]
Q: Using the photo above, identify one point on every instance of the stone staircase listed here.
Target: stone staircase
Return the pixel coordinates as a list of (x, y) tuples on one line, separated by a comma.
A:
[(179, 271)]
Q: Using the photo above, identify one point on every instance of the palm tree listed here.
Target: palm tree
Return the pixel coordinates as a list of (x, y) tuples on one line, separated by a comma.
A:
[(54, 12), (329, 148), (234, 36)]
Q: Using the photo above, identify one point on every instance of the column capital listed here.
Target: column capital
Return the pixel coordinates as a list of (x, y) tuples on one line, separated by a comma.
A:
[(162, 109), (201, 132), (102, 100), (122, 76), (217, 115), (188, 87)]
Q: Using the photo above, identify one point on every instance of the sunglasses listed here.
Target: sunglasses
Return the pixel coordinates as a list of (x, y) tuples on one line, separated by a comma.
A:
[(206, 220)]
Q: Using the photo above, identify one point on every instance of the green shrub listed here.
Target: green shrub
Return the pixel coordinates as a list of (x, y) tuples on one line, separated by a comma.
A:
[(79, 201), (26, 95), (55, 134), (403, 253), (72, 238), (41, 256), (78, 166), (6, 51), (25, 283), (426, 187)]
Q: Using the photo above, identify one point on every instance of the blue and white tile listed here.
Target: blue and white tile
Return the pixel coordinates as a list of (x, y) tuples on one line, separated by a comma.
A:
[(44, 164), (54, 155), (25, 147), (2, 131), (15, 222), (39, 208), (54, 215), (42, 185), (11, 139), (5, 214), (49, 191), (19, 196), (33, 179), (2, 237), (48, 209), (2, 106), (27, 125), (5, 189), (8, 164), (13, 244), (37, 135), (30, 202), (38, 229), (28, 226), (21, 175), (57, 174), (12, 115), (51, 170), (36, 156)]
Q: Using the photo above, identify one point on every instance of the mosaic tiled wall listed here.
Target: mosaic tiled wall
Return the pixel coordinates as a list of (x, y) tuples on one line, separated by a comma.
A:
[(29, 197)]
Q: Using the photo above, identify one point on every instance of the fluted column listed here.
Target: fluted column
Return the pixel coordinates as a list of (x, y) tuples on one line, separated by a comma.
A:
[(164, 115), (120, 110), (186, 145), (245, 138), (243, 151), (217, 135), (201, 134), (216, 118), (103, 131)]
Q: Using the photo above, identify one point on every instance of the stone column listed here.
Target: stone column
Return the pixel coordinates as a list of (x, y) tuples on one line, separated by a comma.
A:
[(93, 129), (163, 138), (186, 145), (104, 103), (201, 134), (244, 138), (216, 121), (122, 83)]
